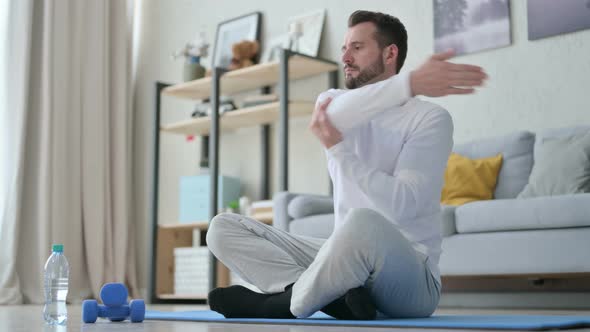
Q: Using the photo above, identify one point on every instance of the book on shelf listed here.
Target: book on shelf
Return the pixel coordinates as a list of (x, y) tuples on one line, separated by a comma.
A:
[(262, 211), (262, 204)]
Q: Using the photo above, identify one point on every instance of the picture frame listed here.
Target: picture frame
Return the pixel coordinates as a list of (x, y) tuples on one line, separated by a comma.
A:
[(229, 32), (311, 26), (273, 48), (553, 18), (471, 26)]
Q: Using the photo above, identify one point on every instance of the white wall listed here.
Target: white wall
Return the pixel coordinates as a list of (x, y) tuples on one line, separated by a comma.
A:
[(532, 85)]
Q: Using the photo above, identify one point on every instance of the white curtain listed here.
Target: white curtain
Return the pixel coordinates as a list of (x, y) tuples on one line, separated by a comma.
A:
[(15, 29), (68, 173)]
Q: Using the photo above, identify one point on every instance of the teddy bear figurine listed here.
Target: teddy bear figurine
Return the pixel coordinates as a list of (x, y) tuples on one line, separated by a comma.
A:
[(243, 54)]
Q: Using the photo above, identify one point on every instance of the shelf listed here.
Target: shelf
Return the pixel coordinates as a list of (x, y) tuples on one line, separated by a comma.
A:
[(202, 225), (244, 117), (251, 78), (170, 236)]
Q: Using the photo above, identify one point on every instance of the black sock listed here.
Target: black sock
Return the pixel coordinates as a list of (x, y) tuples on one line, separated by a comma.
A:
[(356, 304), (240, 302)]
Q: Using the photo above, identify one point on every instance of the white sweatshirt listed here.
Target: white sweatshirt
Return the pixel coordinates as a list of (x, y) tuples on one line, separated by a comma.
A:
[(392, 159)]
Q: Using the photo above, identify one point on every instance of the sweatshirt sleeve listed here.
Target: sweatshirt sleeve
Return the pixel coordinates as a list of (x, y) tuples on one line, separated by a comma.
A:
[(418, 176), (350, 108)]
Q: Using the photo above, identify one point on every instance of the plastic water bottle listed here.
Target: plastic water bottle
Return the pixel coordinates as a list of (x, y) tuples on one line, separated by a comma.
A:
[(57, 272)]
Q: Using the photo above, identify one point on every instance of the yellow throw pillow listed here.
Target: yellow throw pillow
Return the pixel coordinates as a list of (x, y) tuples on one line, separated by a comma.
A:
[(468, 180)]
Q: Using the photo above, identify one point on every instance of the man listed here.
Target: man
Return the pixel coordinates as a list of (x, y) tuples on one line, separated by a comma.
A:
[(386, 156)]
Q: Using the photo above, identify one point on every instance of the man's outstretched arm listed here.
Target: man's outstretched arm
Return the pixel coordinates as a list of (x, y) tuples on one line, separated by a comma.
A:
[(435, 78)]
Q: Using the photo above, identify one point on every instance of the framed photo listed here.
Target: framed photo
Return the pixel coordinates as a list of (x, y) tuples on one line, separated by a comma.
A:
[(246, 27), (306, 32), (273, 48), (548, 18), (469, 26)]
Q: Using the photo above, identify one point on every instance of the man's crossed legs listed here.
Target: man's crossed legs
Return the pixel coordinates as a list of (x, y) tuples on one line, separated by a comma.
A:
[(366, 263)]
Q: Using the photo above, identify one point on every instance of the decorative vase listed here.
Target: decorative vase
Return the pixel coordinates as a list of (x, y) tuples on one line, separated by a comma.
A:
[(192, 69)]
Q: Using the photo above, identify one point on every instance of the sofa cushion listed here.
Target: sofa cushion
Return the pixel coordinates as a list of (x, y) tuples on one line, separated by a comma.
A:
[(562, 166), (517, 154), (320, 226), (309, 205), (468, 180), (526, 252), (548, 134), (524, 214)]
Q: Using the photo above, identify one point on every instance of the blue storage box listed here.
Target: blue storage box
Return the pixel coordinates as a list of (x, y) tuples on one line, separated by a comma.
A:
[(195, 196)]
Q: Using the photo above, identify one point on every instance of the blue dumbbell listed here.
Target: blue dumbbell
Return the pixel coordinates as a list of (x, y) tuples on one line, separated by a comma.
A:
[(115, 308)]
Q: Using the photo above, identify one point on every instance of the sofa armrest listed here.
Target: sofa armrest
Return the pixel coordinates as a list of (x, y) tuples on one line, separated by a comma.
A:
[(448, 220), (280, 202), (283, 214), (309, 205)]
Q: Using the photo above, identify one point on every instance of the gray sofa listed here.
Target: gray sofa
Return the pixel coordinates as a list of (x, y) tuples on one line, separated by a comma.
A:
[(506, 236)]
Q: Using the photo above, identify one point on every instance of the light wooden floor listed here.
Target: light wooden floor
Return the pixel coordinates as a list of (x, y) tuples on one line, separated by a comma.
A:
[(29, 318)]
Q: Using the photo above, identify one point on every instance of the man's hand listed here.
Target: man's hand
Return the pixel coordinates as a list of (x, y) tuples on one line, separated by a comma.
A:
[(322, 128), (437, 77)]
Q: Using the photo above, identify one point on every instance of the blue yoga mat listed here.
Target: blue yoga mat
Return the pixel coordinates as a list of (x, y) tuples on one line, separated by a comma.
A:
[(500, 322)]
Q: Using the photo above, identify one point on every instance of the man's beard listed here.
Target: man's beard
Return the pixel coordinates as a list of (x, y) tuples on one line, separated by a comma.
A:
[(366, 75)]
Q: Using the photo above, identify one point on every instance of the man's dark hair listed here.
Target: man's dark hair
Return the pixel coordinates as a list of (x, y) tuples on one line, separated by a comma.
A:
[(389, 31)]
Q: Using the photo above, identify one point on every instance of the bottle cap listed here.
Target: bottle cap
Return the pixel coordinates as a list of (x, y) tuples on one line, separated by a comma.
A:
[(58, 248)]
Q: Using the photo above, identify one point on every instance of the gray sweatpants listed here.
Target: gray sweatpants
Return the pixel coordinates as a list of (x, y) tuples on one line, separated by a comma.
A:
[(367, 250)]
